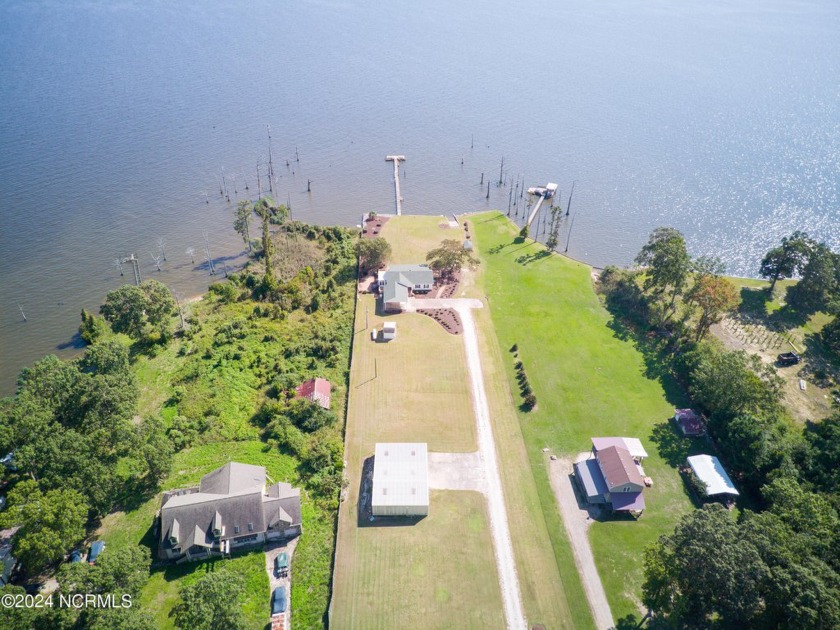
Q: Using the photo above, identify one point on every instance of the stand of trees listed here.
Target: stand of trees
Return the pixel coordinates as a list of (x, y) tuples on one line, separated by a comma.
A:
[(774, 568)]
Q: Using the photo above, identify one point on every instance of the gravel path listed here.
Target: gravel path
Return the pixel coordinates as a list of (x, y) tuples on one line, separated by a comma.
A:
[(502, 543), (446, 471), (576, 523)]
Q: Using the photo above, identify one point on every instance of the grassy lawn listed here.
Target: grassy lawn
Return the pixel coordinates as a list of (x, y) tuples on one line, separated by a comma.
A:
[(411, 237), (439, 573), (311, 565), (411, 389), (589, 381), (551, 596), (551, 590)]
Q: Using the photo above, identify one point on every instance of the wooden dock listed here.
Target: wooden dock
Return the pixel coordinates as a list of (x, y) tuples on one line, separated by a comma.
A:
[(396, 159), (544, 192)]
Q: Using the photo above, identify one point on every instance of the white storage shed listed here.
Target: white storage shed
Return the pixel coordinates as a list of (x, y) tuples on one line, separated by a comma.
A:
[(400, 479)]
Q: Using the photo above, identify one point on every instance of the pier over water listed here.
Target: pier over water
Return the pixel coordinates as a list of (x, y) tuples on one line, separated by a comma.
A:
[(396, 159)]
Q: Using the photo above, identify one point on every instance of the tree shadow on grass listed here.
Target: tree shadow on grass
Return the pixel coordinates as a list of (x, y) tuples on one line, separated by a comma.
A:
[(672, 446), (527, 259), (754, 301), (653, 349)]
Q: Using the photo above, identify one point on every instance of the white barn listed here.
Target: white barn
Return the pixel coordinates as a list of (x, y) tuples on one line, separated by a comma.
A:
[(400, 479)]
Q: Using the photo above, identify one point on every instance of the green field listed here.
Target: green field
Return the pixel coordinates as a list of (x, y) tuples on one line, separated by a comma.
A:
[(589, 380), (368, 576)]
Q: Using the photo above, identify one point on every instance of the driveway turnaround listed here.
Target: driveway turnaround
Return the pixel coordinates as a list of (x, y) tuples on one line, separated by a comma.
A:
[(576, 523), (497, 511)]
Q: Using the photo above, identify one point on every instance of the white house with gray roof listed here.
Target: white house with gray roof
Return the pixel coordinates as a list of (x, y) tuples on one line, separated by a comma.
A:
[(398, 282), (230, 508)]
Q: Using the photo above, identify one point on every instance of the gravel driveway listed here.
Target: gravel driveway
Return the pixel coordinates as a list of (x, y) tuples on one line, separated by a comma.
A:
[(577, 522)]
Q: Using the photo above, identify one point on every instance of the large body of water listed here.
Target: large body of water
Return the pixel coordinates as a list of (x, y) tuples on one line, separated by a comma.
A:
[(718, 117)]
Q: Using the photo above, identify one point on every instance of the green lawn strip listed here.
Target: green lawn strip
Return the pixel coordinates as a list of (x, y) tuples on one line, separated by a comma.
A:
[(310, 565), (410, 389), (438, 573), (413, 388), (551, 590), (588, 382)]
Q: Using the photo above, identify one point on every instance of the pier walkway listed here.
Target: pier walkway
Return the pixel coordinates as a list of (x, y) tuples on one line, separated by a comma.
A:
[(396, 159), (535, 210)]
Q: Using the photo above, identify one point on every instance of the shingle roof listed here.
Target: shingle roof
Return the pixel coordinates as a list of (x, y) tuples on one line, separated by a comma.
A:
[(233, 478), (632, 445), (618, 467), (231, 496)]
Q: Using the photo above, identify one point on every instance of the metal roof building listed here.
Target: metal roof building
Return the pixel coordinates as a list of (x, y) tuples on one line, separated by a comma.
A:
[(400, 479), (710, 471), (631, 445)]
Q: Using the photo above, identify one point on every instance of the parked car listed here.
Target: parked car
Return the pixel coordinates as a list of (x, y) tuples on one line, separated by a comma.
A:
[(95, 549), (278, 600), (281, 564), (788, 358)]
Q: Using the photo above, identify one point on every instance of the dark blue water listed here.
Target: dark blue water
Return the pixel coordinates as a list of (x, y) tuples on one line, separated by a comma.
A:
[(721, 118)]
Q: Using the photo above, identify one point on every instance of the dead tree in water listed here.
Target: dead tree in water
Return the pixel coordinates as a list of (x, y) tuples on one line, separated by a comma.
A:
[(161, 243), (207, 254), (157, 260), (191, 253)]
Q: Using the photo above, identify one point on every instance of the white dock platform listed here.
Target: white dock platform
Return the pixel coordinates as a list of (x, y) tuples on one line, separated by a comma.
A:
[(396, 159)]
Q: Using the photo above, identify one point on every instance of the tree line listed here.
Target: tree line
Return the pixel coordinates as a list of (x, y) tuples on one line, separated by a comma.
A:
[(776, 567)]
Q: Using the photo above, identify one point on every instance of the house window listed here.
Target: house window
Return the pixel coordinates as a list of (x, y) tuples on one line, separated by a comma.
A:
[(236, 529), (250, 527)]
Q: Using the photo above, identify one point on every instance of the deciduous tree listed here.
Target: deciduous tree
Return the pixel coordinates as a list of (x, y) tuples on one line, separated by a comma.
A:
[(819, 288), (788, 259), (211, 603), (714, 296), (372, 253), (450, 257), (667, 267), (51, 523)]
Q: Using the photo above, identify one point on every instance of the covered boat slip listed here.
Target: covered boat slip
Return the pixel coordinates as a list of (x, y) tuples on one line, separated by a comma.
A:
[(711, 473)]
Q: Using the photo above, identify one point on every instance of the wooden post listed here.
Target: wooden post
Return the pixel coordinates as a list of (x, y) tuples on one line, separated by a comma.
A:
[(308, 185), (501, 170), (488, 191), (481, 183), (569, 236), (569, 205)]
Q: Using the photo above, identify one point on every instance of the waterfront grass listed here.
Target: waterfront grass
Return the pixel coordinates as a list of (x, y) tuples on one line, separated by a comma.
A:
[(589, 380), (550, 596), (412, 237)]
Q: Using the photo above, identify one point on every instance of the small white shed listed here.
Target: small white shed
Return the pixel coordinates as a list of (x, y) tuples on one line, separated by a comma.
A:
[(389, 331), (400, 479)]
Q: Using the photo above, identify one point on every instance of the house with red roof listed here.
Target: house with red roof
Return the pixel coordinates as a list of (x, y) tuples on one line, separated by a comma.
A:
[(317, 390), (612, 475)]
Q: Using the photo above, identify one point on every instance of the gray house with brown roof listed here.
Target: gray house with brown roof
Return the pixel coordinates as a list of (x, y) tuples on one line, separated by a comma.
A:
[(231, 508), (612, 477)]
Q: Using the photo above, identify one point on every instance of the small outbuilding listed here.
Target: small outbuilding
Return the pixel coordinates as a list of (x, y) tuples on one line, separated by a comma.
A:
[(631, 445), (389, 331), (400, 479), (689, 422), (315, 389), (712, 475)]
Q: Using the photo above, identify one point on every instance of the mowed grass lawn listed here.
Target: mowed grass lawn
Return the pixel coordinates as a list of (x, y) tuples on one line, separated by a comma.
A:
[(412, 389), (588, 382), (438, 573), (310, 565)]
